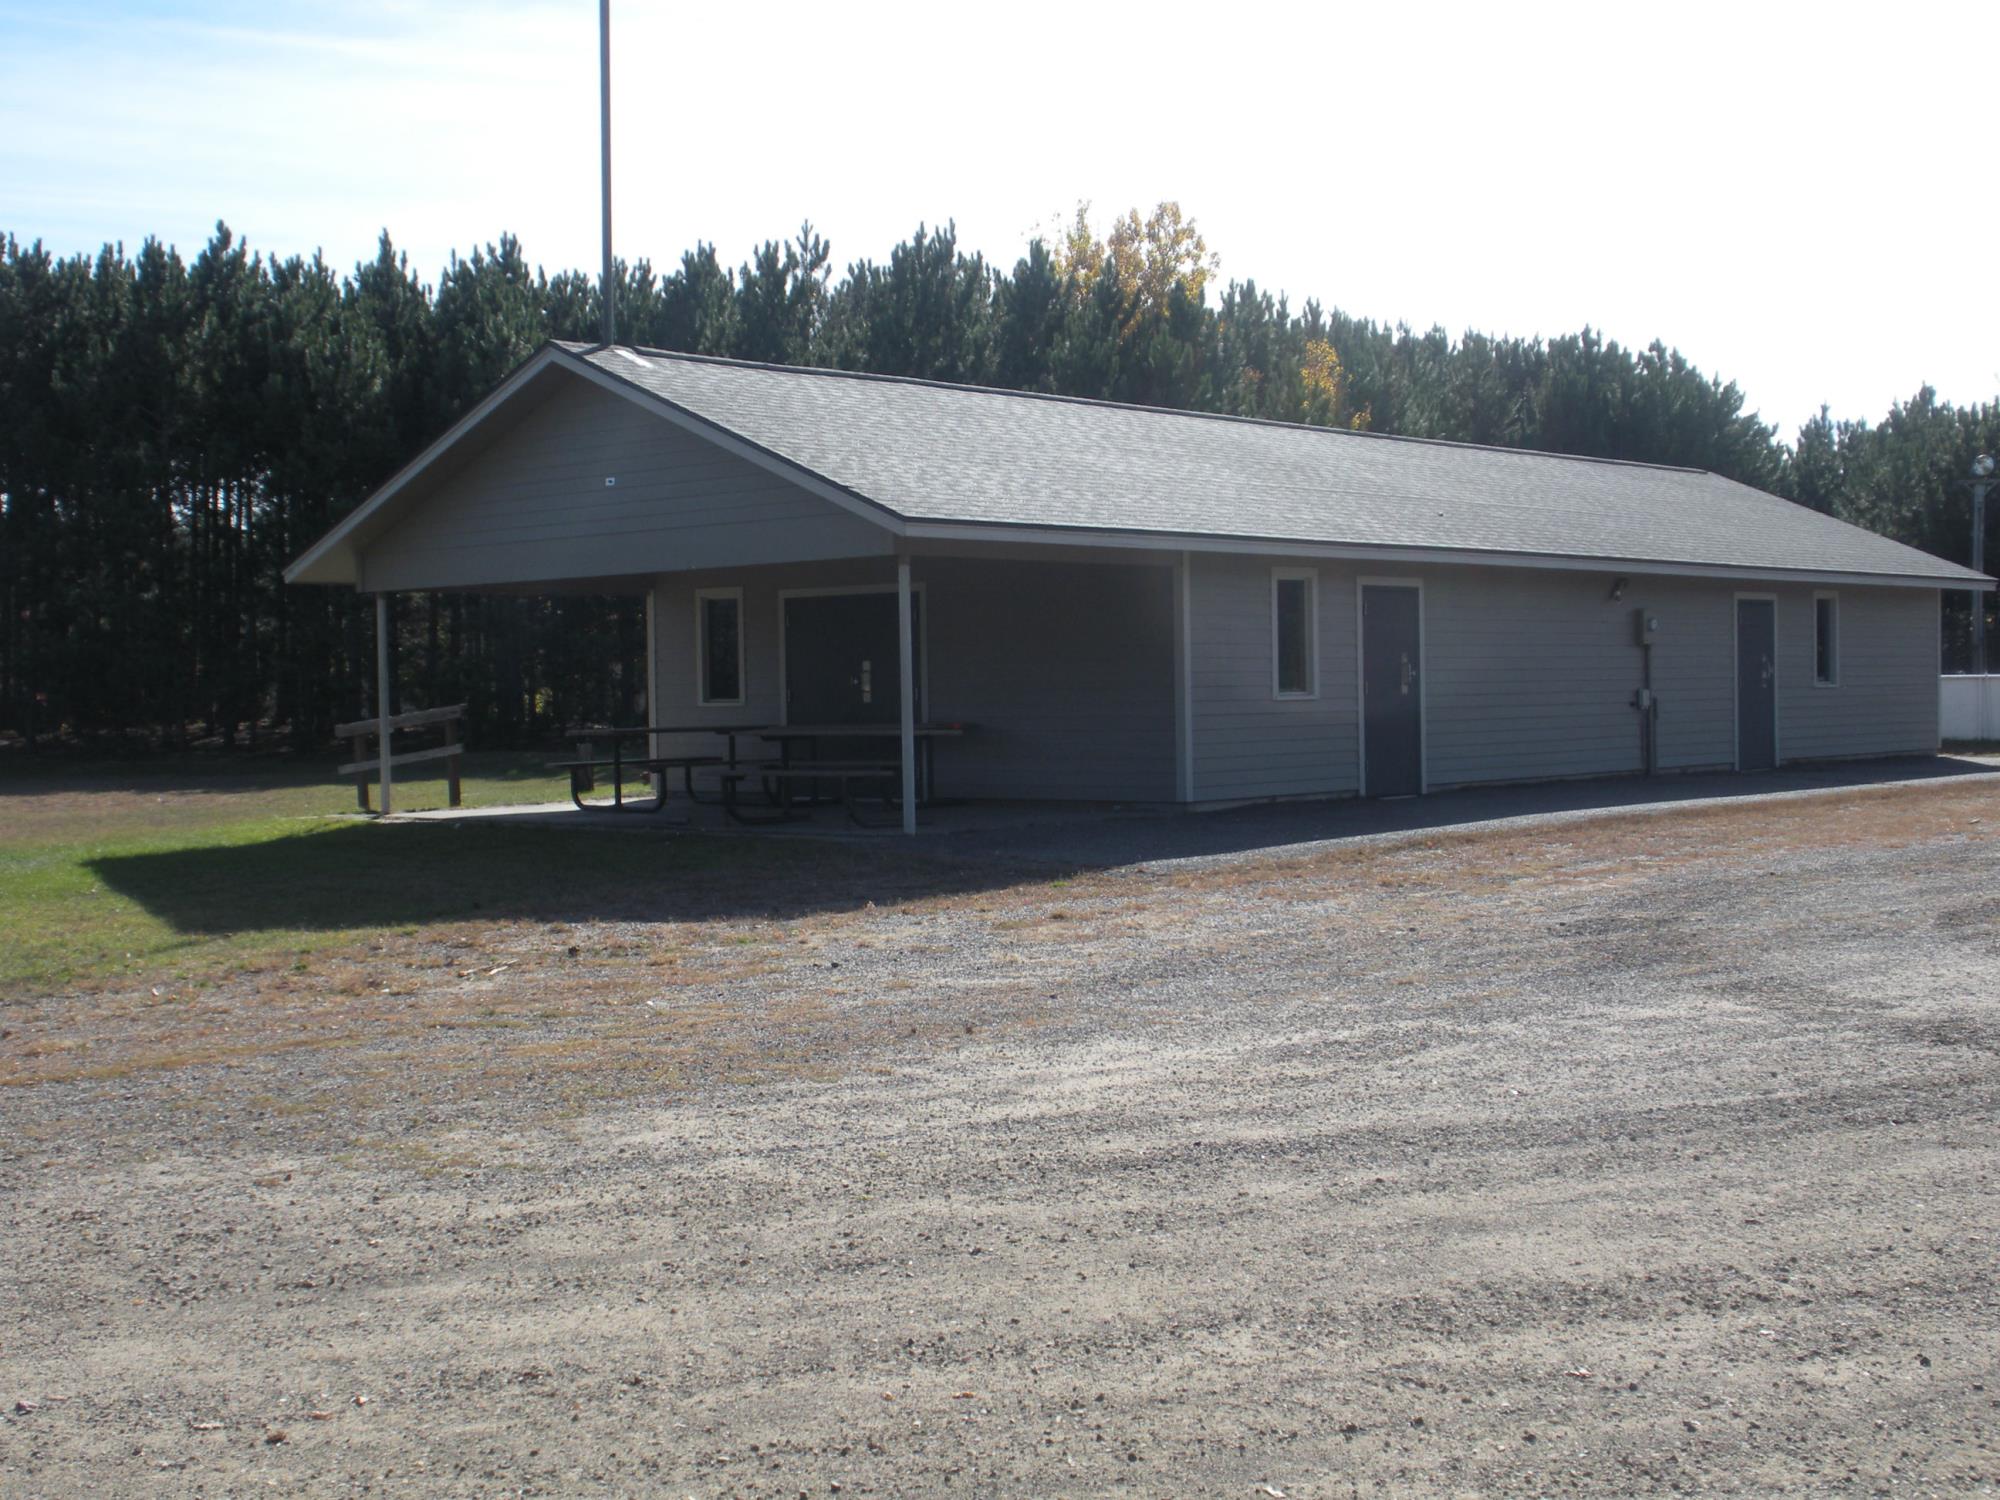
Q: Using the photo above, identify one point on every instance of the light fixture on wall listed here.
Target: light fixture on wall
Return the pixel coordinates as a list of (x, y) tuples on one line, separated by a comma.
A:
[(1618, 588)]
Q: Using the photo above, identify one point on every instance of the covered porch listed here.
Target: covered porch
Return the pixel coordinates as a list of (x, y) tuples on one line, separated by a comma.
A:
[(975, 675), (1061, 671)]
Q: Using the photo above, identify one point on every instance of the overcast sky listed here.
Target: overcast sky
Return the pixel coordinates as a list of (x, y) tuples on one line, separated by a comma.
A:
[(1799, 197)]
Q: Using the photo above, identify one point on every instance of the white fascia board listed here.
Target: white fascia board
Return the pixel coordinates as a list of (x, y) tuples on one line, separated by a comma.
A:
[(973, 531)]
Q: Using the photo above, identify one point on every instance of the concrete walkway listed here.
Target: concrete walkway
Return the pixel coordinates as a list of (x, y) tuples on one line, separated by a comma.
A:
[(1300, 826), (1102, 835)]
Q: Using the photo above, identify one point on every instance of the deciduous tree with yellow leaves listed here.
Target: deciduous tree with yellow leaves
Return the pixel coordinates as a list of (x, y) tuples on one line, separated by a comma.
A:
[(1151, 259)]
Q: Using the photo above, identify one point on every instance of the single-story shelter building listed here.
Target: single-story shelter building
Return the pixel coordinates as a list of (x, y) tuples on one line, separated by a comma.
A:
[(1136, 604)]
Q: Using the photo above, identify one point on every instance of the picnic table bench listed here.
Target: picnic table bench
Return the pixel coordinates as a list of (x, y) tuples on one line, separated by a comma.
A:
[(799, 745), (782, 781), (583, 776), (584, 765)]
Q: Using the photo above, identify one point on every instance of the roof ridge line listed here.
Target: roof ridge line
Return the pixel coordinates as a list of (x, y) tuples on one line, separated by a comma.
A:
[(649, 352)]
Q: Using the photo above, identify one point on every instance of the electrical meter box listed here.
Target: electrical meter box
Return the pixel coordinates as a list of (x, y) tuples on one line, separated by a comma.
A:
[(1647, 624)]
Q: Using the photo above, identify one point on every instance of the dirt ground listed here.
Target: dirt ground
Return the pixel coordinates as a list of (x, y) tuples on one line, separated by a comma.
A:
[(1618, 1156)]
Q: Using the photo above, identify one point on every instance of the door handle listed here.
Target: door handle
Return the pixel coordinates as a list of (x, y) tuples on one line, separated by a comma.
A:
[(1409, 673)]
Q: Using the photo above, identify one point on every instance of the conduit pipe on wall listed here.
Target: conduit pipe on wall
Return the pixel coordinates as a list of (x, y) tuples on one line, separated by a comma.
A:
[(1645, 627)]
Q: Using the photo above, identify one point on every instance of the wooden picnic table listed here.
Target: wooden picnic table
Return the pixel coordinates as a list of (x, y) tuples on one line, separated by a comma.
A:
[(583, 766), (730, 733), (782, 781), (809, 736)]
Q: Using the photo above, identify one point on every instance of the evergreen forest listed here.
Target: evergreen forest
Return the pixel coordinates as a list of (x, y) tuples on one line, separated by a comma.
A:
[(174, 431)]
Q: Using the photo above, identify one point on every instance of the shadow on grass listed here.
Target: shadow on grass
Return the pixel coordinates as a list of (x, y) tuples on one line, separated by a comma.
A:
[(363, 875), (22, 774)]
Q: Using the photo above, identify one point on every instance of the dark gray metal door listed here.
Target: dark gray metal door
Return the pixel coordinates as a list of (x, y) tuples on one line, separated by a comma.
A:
[(1392, 717), (841, 665), (1756, 684)]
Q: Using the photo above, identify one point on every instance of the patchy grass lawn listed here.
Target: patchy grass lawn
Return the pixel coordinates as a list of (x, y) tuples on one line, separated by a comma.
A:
[(171, 876), (178, 871)]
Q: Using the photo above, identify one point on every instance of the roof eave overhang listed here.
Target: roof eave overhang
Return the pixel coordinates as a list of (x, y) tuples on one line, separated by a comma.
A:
[(335, 559), (1006, 532)]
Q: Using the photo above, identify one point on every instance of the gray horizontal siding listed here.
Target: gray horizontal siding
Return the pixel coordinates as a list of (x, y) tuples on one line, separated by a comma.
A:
[(1527, 677), (1886, 700), (1530, 675), (1694, 670), (533, 506), (1065, 671), (1248, 741)]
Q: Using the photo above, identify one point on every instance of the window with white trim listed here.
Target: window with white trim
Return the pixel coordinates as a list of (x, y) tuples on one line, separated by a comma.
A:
[(718, 645), (1294, 632), (1826, 640)]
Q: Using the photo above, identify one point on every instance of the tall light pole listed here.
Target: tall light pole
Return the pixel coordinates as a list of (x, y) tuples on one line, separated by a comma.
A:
[(604, 131), (1982, 476)]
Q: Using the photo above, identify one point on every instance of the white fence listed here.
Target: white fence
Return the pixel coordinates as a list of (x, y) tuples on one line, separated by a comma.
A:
[(1969, 707)]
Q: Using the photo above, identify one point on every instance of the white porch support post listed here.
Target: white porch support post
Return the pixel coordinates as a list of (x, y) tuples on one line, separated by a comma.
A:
[(382, 735), (652, 667), (1183, 681), (906, 667)]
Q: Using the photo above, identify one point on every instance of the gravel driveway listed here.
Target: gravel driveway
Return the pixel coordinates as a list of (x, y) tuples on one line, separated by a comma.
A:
[(1611, 1156)]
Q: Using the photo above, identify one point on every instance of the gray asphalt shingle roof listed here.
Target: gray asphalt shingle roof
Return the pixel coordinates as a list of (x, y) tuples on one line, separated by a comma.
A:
[(929, 452)]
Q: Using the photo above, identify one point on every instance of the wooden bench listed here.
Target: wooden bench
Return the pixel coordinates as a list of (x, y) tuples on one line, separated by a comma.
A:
[(583, 778), (386, 757), (847, 774)]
